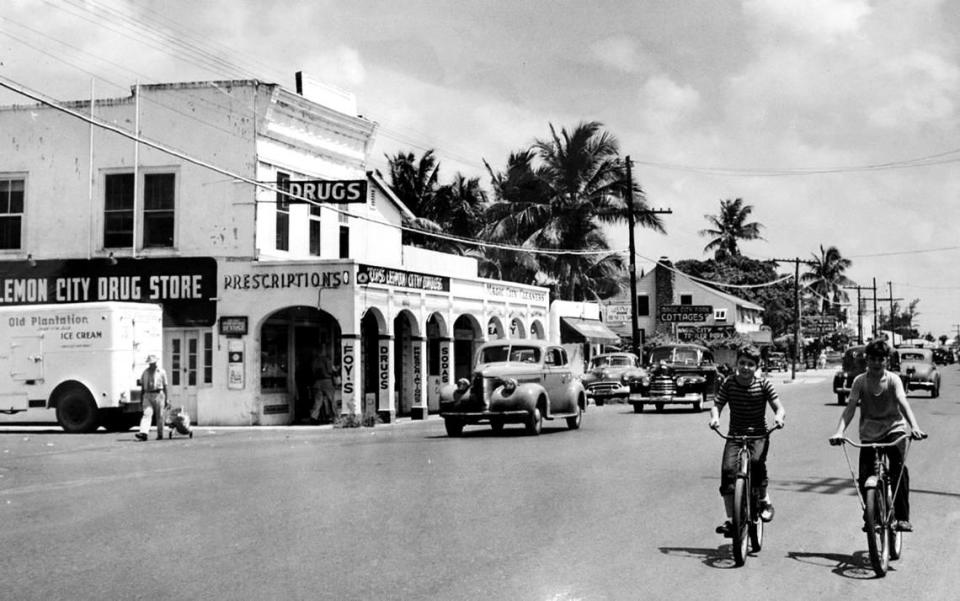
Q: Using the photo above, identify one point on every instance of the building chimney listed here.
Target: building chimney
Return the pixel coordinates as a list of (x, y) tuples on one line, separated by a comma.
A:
[(663, 280)]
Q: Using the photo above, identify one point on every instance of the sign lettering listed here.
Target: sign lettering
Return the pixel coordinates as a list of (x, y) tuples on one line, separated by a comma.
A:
[(337, 192)]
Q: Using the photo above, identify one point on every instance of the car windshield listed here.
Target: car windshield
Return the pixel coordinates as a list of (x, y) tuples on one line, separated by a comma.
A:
[(686, 356), (911, 356), (506, 352), (614, 361)]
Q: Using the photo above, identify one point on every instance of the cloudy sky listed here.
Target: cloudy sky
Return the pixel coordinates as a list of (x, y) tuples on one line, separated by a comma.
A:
[(837, 120)]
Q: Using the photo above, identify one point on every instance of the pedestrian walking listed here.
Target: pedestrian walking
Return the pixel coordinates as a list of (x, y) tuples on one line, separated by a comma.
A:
[(153, 398)]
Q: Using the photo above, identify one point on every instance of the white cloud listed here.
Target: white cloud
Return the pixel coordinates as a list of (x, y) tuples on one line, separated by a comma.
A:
[(665, 102), (622, 53), (823, 19), (923, 88)]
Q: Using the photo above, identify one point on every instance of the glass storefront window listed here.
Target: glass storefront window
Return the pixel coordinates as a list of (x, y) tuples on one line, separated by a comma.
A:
[(274, 357)]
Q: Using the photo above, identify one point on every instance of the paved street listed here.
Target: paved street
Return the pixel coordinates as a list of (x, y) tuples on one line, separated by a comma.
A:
[(622, 509)]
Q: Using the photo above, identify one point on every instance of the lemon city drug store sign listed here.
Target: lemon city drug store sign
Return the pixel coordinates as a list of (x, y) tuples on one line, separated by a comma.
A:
[(186, 287)]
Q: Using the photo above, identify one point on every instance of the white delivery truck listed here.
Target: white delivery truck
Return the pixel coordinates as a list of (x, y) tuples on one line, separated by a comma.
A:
[(81, 360)]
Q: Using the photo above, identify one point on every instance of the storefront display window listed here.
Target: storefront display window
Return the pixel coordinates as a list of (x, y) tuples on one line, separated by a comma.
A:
[(274, 357)]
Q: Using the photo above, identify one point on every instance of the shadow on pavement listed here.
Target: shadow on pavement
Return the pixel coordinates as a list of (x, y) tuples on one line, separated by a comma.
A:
[(855, 567), (720, 558)]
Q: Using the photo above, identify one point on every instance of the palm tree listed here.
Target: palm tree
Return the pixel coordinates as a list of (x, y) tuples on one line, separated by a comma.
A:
[(415, 184), (457, 209), (826, 278), (563, 203), (729, 226), (414, 181)]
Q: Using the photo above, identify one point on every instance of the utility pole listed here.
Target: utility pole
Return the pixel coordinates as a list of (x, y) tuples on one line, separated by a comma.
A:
[(860, 309), (797, 348), (634, 326), (891, 299)]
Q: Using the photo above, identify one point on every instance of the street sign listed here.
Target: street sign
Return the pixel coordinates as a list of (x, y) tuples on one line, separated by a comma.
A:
[(685, 313)]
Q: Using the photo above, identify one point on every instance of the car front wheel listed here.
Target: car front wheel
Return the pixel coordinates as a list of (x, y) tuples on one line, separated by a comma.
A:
[(535, 422)]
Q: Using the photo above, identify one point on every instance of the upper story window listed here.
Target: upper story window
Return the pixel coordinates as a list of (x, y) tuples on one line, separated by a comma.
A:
[(720, 314), (643, 305), (158, 212), (11, 213), (283, 213), (686, 299), (315, 230)]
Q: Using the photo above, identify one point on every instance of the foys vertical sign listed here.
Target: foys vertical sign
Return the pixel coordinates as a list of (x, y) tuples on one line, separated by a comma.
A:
[(185, 286)]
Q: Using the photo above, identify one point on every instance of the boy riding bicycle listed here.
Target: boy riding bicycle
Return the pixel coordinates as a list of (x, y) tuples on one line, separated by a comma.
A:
[(884, 414), (748, 396)]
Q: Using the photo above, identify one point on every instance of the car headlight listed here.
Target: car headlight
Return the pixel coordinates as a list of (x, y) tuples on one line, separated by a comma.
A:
[(645, 381), (462, 385), (681, 382), (509, 385)]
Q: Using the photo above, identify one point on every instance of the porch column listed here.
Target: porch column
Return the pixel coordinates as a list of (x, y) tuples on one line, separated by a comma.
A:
[(386, 382), (350, 375), (418, 409)]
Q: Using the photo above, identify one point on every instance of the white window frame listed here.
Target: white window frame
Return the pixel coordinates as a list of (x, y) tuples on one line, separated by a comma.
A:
[(138, 208)]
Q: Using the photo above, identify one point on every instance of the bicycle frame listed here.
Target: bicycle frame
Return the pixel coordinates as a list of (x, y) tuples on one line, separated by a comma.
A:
[(884, 542), (747, 525)]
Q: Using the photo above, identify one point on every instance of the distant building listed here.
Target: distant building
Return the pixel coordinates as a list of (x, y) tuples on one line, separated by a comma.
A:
[(671, 303), (252, 280)]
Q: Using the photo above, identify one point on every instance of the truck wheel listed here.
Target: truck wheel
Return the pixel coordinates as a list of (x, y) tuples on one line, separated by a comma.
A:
[(76, 411), (115, 420)]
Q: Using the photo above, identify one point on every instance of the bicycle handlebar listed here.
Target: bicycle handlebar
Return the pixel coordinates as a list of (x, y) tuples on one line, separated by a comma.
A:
[(739, 437), (869, 445)]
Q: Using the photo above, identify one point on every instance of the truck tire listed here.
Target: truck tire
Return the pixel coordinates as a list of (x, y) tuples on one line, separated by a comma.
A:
[(76, 411)]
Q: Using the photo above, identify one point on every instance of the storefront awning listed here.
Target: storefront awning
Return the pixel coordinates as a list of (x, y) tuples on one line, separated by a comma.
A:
[(590, 330)]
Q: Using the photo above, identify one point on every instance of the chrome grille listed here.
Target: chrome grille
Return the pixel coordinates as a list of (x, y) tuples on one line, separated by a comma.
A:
[(662, 386), (603, 387)]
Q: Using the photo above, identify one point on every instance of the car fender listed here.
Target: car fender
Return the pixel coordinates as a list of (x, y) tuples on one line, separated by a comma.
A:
[(452, 393), (524, 396)]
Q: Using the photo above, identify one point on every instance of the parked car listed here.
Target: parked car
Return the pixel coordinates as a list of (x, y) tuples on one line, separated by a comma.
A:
[(943, 355), (852, 365), (676, 374), (515, 381), (604, 378), (917, 369), (776, 361)]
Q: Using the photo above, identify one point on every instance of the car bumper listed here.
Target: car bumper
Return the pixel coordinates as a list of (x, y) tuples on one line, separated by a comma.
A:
[(481, 417), (689, 398), (607, 391), (918, 384)]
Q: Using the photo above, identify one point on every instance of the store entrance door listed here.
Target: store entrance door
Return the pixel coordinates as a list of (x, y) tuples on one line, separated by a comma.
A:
[(182, 363)]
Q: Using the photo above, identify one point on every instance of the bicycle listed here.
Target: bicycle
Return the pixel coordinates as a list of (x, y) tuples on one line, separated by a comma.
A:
[(884, 541), (747, 525)]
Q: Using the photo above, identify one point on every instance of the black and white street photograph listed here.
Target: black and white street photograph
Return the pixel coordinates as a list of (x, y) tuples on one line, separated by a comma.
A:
[(537, 300)]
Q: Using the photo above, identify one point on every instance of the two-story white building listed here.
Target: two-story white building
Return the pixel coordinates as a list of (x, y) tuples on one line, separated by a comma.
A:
[(247, 211)]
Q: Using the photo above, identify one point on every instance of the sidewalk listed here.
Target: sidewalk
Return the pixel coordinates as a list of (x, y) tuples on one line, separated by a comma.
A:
[(807, 376)]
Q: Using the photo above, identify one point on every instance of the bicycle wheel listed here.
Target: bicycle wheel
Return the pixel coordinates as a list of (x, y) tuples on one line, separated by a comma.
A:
[(877, 538), (741, 520), (756, 525), (895, 540)]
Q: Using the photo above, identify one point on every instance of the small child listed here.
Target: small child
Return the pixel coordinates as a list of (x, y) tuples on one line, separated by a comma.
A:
[(748, 396)]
